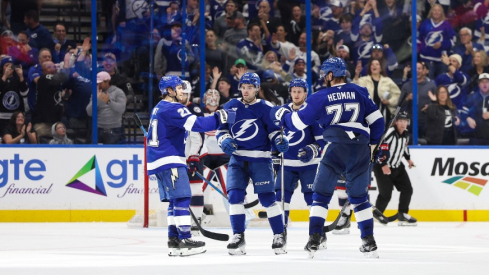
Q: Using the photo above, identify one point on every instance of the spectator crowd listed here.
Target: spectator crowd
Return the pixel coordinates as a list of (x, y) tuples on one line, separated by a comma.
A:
[(46, 78)]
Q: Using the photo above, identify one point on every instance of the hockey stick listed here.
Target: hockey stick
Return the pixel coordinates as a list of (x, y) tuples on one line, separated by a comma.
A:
[(246, 206), (209, 234), (332, 226), (396, 113), (282, 182)]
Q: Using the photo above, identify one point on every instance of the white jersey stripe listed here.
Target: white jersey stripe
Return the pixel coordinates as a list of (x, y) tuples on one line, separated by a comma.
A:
[(373, 117), (164, 161), (190, 122), (296, 120), (253, 154)]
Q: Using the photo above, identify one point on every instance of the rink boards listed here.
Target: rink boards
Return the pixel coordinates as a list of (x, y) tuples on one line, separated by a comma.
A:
[(84, 184)]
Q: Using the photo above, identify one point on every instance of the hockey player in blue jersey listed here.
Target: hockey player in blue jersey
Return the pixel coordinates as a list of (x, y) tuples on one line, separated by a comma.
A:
[(249, 141), (351, 122), (302, 158), (169, 123)]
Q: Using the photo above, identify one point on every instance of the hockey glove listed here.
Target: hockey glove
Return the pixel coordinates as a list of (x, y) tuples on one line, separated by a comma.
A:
[(306, 154), (277, 113), (282, 144), (228, 146), (383, 154), (193, 163), (226, 116)]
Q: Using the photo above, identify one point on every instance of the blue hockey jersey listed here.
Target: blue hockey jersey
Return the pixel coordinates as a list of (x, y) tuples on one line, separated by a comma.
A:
[(456, 86), (431, 33), (167, 134), (482, 20), (252, 54), (362, 48), (252, 131), (300, 139), (345, 106), (217, 9)]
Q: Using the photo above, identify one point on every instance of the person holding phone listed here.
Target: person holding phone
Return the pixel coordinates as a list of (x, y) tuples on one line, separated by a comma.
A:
[(13, 90)]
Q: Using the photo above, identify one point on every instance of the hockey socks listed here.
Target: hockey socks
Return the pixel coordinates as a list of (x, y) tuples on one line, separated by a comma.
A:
[(181, 215), (318, 213), (274, 212), (172, 228), (363, 215), (197, 200), (237, 210)]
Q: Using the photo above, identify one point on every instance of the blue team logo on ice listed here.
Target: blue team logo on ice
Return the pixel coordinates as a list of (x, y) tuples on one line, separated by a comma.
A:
[(245, 129), (433, 37), (364, 49), (294, 138), (11, 100)]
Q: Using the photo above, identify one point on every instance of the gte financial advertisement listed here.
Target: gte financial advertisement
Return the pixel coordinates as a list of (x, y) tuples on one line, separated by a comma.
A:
[(112, 178), (72, 178)]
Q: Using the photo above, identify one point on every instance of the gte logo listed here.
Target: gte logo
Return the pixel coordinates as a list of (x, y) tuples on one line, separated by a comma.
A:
[(31, 169), (117, 180), (470, 184)]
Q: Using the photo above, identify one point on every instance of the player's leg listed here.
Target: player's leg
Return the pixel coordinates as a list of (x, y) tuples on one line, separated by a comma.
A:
[(173, 241), (290, 178), (197, 200), (177, 185), (357, 181), (403, 185), (261, 174), (329, 171), (237, 180)]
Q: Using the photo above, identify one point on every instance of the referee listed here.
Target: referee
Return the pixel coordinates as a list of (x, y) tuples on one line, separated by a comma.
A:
[(390, 171)]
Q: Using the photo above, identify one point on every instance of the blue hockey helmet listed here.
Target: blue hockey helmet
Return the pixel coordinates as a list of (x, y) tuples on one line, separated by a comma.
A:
[(335, 65), (170, 81), (250, 78), (298, 82)]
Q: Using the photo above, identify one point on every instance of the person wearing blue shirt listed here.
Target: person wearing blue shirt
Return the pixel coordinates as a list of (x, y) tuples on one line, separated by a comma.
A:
[(249, 142), (302, 158), (170, 123), (351, 122)]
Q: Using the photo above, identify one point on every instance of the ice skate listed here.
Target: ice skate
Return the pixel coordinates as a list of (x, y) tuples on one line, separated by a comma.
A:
[(189, 247), (237, 245), (322, 242), (378, 216), (369, 247), (279, 243), (406, 220), (173, 246), (313, 244), (343, 226)]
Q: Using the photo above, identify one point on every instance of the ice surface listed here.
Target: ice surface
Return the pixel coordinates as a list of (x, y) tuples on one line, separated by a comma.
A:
[(112, 248)]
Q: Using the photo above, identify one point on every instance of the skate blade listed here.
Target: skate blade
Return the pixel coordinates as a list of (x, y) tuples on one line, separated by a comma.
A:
[(371, 254), (322, 246), (310, 254), (407, 224), (185, 252), (343, 231), (279, 251), (174, 252), (237, 252)]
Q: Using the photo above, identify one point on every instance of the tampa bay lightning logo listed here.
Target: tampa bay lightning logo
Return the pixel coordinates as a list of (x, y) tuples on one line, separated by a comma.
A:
[(433, 37), (367, 18), (364, 49), (11, 101), (454, 90), (325, 13), (294, 138), (179, 56), (219, 13), (245, 129)]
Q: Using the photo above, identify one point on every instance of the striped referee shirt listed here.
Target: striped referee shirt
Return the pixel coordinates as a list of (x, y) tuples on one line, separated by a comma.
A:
[(398, 146)]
